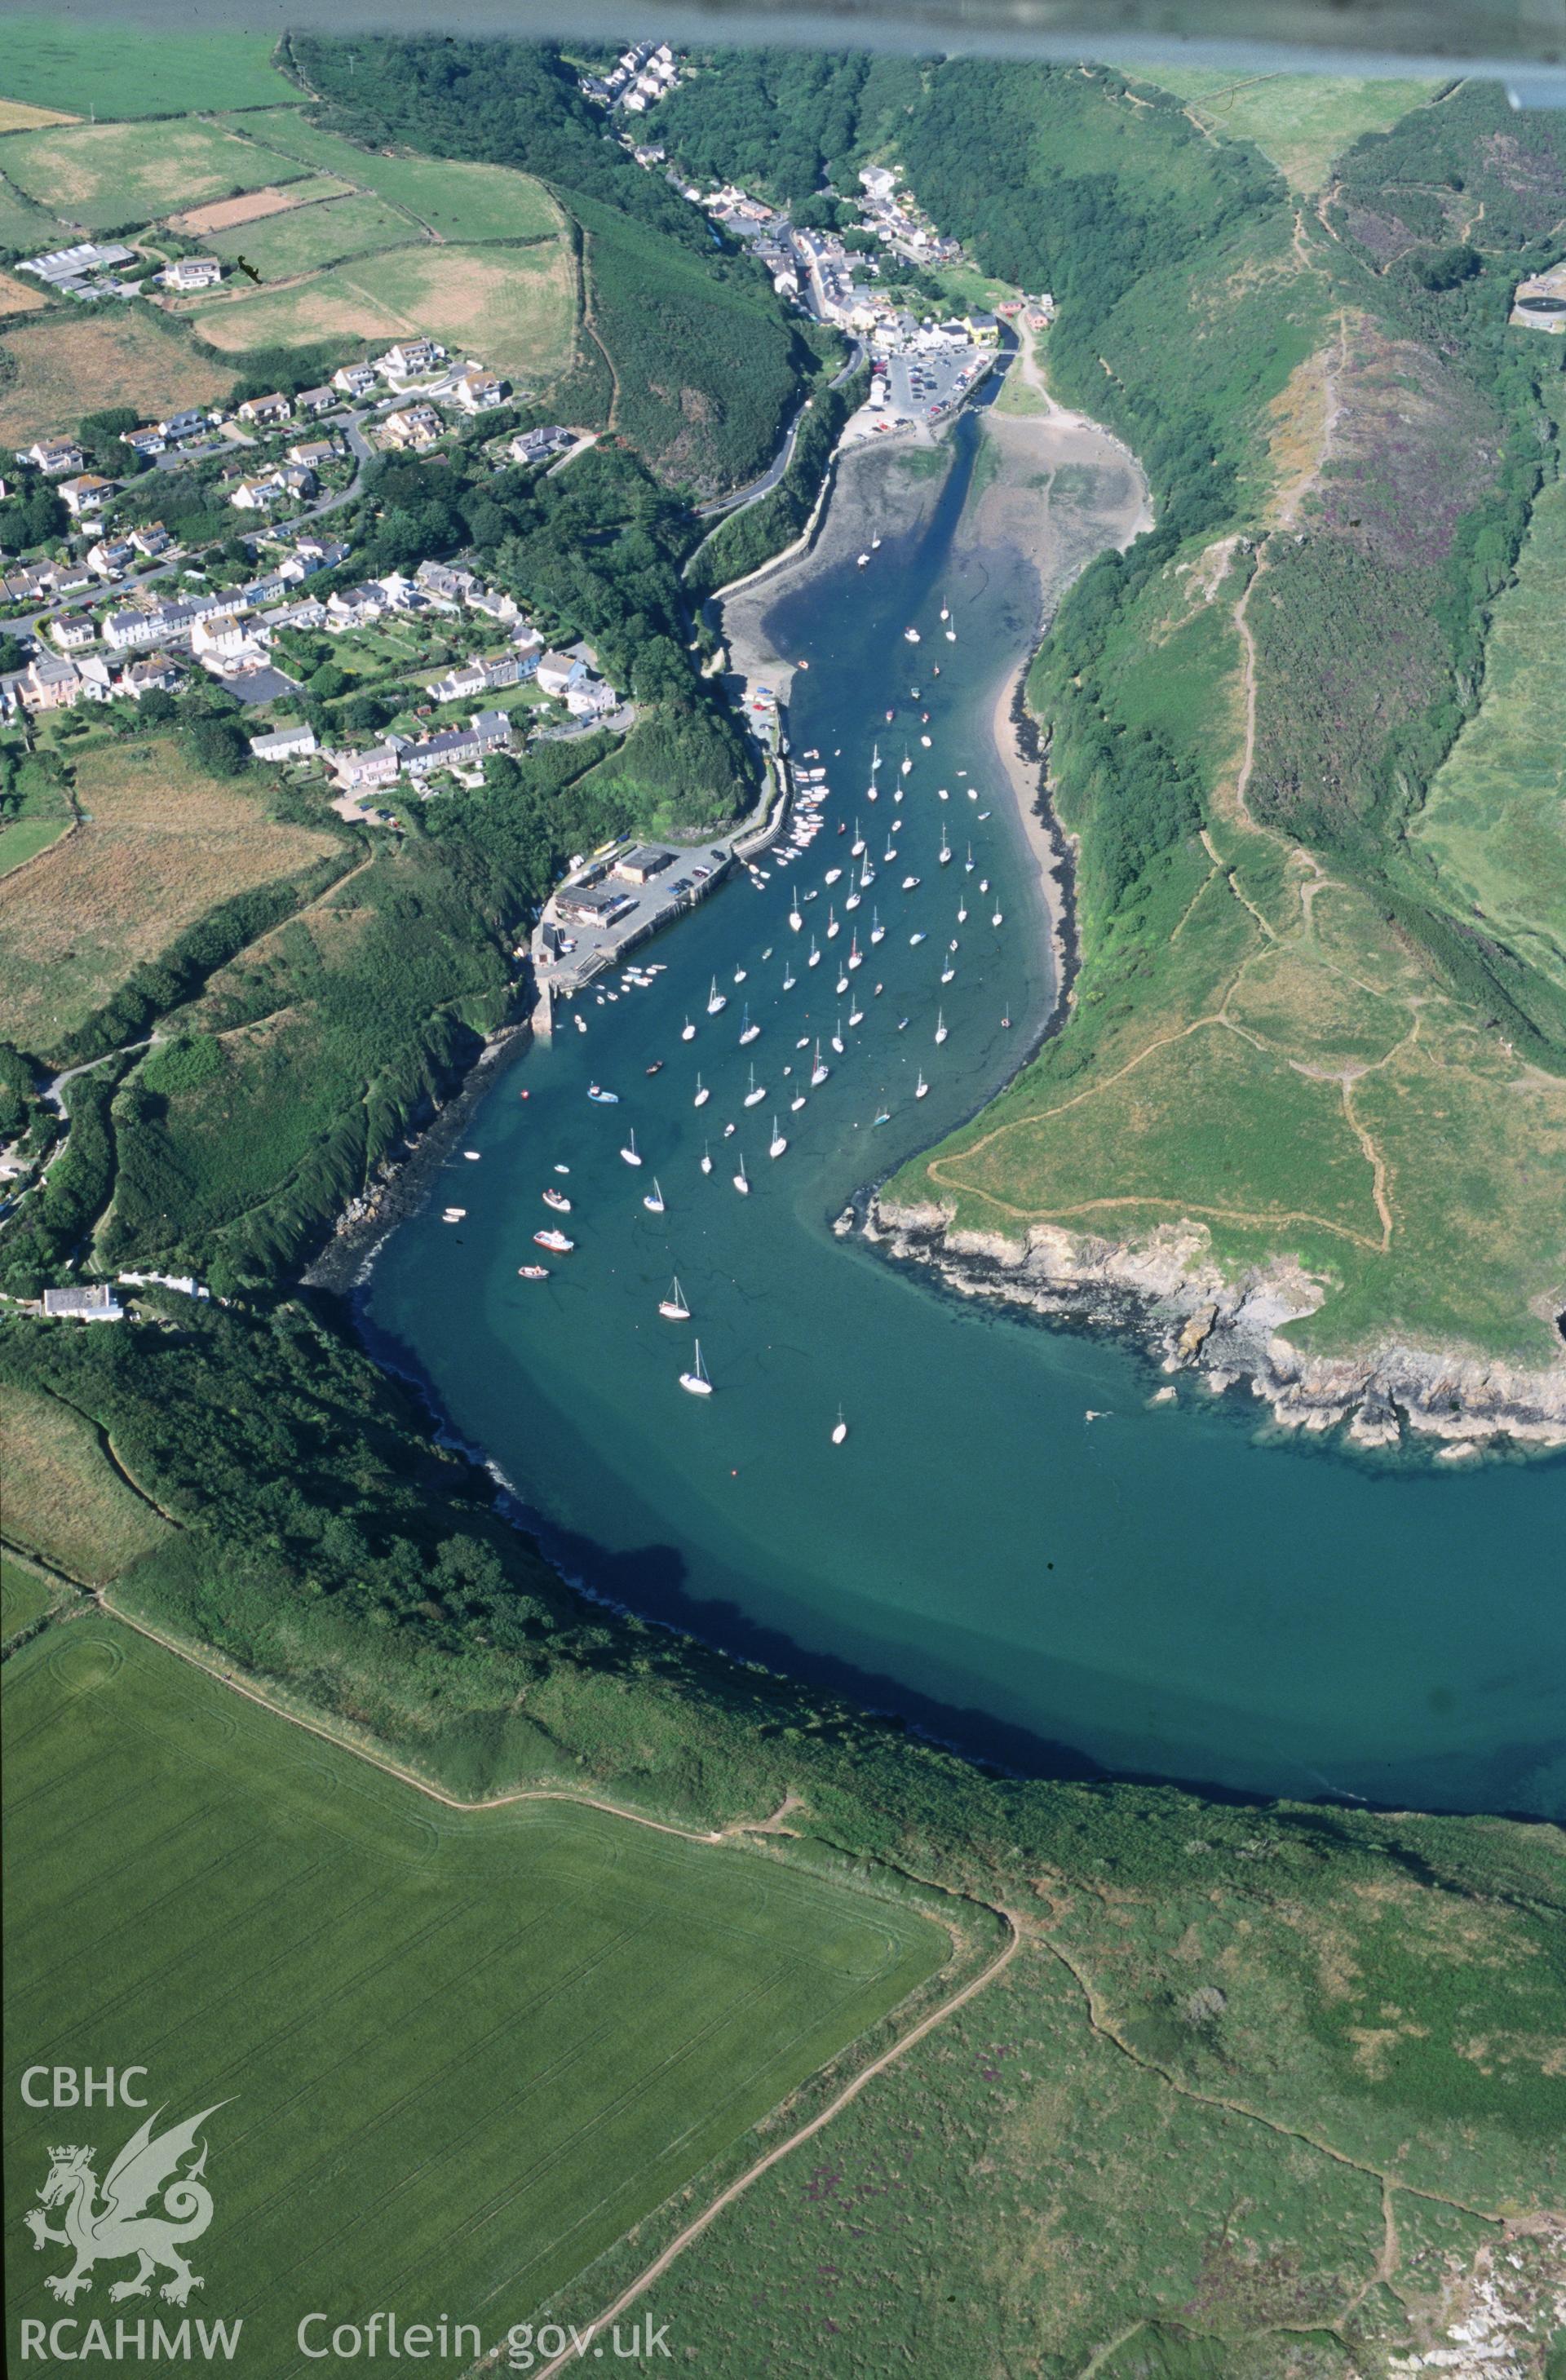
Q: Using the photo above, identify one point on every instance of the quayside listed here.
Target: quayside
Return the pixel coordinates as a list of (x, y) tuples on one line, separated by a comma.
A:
[(1151, 1590)]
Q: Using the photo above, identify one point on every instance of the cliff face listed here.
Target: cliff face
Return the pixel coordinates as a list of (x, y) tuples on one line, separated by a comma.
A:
[(1166, 1291)]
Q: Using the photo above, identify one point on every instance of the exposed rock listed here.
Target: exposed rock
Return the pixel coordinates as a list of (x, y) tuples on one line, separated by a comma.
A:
[(1167, 1293)]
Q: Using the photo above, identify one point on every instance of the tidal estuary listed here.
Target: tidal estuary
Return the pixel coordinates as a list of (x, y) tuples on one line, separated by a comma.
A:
[(1150, 1589)]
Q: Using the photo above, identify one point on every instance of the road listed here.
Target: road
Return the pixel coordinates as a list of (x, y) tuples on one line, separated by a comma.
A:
[(756, 489)]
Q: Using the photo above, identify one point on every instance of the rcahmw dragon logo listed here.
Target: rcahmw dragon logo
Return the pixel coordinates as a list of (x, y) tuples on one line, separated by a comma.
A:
[(102, 2231)]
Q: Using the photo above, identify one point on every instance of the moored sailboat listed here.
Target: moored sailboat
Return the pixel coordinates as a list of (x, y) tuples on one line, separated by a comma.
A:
[(696, 1382), (674, 1307)]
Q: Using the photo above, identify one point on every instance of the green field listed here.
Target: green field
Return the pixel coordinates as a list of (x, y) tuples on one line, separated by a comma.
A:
[(460, 202), (1495, 819), (279, 245), (1301, 121), (104, 176), (454, 2054), (64, 1500), (24, 229), (514, 307), (99, 68), (24, 1599)]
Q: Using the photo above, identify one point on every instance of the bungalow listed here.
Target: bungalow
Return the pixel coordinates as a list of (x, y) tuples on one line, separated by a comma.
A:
[(266, 412), (86, 495), (311, 454), (478, 392), (354, 379), (96, 1302), (296, 742), (408, 359), (72, 632), (557, 672), (487, 731), (33, 580), (191, 272), (72, 578), (157, 674), (378, 766), (53, 455), (411, 428), (311, 401)]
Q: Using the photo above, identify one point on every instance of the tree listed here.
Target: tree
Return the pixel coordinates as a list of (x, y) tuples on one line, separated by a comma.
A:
[(219, 745), (157, 707), (12, 657), (328, 681)]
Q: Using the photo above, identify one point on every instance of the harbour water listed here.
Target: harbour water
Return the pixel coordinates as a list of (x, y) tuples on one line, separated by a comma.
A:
[(1152, 1590)]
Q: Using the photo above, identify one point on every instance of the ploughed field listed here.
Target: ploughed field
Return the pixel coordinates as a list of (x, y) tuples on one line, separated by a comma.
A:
[(454, 2054)]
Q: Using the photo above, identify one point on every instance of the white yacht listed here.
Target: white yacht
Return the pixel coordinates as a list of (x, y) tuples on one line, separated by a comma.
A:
[(840, 1429), (877, 929), (696, 1381), (820, 1070), (653, 1199), (742, 1180), (629, 1151), (941, 1028), (716, 1000), (921, 1088), (777, 1145), (702, 1094), (688, 1031), (674, 1307), (755, 1093), (707, 1157)]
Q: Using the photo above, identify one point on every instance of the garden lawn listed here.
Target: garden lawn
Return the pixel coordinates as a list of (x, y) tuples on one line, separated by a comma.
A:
[(452, 2055)]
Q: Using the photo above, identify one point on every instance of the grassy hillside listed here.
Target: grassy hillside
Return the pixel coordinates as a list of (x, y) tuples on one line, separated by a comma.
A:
[(1280, 1033), (703, 368)]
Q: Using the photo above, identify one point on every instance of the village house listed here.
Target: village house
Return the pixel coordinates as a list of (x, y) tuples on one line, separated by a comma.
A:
[(478, 392), (50, 682), (487, 730), (476, 677), (408, 359), (534, 444), (354, 379), (146, 441), (191, 272), (224, 634), (527, 645), (156, 674), (591, 700), (354, 607), (72, 632), (494, 604), (86, 495), (53, 455), (312, 553), (94, 1302), (311, 454), (411, 428), (308, 614), (982, 329), (28, 585), (311, 401), (296, 742), (378, 766), (557, 672), (72, 578), (265, 412), (443, 585), (110, 555), (258, 496), (188, 423)]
